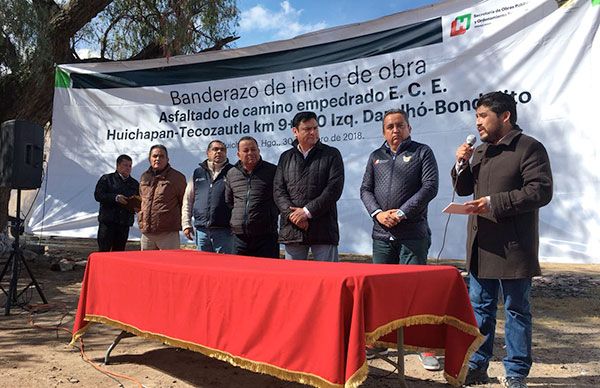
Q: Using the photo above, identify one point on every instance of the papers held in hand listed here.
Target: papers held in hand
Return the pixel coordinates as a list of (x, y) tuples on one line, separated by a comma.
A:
[(134, 203), (457, 208)]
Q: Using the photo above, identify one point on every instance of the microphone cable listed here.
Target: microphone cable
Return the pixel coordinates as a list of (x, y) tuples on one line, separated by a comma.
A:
[(471, 139), (437, 259)]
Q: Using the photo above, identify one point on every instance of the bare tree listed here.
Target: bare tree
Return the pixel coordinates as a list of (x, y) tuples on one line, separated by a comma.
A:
[(36, 35)]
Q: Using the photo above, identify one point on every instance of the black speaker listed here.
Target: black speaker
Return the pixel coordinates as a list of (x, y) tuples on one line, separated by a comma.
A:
[(21, 154)]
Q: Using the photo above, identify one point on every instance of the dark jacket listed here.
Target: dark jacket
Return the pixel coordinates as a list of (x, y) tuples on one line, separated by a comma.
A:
[(315, 183), (107, 188), (516, 175), (162, 197), (210, 209), (405, 180), (250, 196)]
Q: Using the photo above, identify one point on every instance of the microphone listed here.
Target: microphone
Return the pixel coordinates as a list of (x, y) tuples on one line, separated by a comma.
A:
[(471, 139)]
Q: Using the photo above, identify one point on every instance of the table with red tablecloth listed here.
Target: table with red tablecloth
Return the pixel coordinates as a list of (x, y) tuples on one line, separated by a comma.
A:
[(301, 321)]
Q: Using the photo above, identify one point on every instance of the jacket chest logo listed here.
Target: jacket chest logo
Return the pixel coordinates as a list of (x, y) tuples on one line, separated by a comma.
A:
[(380, 161), (406, 158)]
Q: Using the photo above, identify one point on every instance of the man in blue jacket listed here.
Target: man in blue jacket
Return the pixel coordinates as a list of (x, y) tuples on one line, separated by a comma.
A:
[(400, 180), (205, 199)]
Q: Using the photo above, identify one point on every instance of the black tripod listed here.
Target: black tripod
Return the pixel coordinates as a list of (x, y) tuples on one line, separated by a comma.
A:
[(15, 260)]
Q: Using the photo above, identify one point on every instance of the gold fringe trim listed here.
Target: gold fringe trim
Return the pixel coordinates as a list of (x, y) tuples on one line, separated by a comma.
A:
[(300, 377), (426, 319), (79, 333), (465, 368), (358, 377)]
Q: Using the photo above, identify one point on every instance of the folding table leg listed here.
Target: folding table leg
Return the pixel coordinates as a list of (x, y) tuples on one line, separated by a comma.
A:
[(122, 334), (400, 362)]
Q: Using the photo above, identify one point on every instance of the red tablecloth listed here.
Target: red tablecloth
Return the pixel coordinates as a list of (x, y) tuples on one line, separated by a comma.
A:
[(302, 321)]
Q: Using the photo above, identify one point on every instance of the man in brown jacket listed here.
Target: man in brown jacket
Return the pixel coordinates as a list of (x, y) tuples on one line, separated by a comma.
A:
[(510, 179), (161, 189)]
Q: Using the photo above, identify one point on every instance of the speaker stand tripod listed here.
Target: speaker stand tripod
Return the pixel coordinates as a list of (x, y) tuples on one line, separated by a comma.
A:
[(15, 260)]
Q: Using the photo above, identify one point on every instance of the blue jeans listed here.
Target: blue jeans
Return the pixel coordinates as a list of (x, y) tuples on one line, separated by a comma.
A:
[(321, 252), (219, 240), (517, 338), (401, 251)]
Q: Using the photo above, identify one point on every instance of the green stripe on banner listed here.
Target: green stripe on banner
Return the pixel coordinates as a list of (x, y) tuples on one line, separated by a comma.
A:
[(62, 79), (595, 2)]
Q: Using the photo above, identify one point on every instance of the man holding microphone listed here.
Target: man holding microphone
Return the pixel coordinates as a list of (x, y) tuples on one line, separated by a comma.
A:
[(510, 179)]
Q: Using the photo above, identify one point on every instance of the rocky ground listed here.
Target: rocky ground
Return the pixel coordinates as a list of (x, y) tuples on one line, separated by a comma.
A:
[(34, 349)]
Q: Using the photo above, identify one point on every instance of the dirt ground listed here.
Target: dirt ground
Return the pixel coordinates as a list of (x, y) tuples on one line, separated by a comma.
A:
[(34, 350)]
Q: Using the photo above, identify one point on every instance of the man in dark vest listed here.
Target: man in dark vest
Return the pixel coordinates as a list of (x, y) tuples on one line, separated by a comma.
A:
[(204, 199), (114, 191), (249, 192)]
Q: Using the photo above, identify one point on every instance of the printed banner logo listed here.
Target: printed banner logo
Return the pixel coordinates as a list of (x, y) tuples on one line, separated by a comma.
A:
[(460, 25)]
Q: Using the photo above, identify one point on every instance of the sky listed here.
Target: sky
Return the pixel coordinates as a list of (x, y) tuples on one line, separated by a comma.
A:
[(264, 21)]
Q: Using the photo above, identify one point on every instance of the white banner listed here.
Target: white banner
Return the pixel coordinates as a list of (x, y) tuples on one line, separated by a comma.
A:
[(433, 62)]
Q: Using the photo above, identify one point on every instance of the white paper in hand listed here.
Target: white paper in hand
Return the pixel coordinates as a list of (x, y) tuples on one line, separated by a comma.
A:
[(456, 208)]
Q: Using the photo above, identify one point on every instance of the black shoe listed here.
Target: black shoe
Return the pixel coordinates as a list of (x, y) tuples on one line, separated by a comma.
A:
[(476, 377), (515, 382)]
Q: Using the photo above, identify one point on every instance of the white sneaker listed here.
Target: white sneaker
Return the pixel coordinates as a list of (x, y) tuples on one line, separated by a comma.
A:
[(375, 351), (429, 361)]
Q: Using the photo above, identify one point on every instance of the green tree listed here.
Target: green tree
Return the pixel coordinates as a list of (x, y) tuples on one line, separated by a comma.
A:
[(35, 35)]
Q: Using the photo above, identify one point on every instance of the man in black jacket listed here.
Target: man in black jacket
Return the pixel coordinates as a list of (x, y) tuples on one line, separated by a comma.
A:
[(249, 192), (204, 199), (113, 191), (308, 183)]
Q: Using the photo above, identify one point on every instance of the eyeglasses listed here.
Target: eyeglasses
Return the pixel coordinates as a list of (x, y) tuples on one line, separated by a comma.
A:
[(399, 127), (308, 129)]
